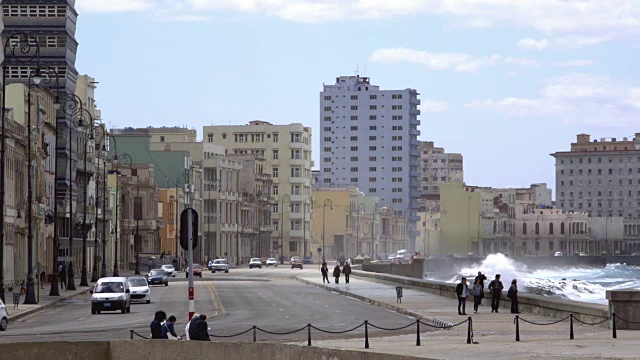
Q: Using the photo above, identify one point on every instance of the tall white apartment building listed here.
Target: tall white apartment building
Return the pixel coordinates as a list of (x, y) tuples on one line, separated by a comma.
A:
[(287, 151), (369, 139)]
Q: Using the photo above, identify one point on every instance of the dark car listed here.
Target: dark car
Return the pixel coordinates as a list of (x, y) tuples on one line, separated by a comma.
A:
[(158, 277), (197, 270), (307, 260), (296, 264)]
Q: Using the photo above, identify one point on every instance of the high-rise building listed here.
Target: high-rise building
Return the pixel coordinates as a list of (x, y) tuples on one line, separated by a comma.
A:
[(437, 166), (369, 139), (287, 151)]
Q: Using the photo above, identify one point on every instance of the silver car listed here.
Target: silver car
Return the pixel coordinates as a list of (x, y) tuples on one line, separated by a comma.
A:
[(139, 289), (169, 269), (219, 265), (4, 317)]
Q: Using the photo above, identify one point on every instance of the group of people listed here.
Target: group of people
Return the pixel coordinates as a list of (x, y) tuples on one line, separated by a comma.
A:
[(196, 329), (346, 270), (495, 289)]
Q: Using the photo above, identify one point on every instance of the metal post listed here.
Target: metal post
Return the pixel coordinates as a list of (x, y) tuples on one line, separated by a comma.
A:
[(418, 332), (571, 326), (517, 322), (255, 335), (138, 214), (117, 234), (192, 305), (469, 330), (366, 334), (308, 334), (2, 175), (94, 272), (83, 274), (177, 226), (54, 290), (130, 334), (104, 222), (613, 325), (70, 275), (30, 297)]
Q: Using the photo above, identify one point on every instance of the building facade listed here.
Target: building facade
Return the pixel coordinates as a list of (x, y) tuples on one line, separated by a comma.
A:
[(369, 139), (287, 151), (437, 166), (602, 178)]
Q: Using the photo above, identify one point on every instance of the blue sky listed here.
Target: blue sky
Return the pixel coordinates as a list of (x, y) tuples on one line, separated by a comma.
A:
[(503, 82)]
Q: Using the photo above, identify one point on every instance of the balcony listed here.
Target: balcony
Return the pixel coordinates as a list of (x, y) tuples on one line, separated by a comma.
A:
[(160, 223), (269, 228), (414, 132), (414, 184), (229, 227), (414, 111), (296, 234), (414, 101), (299, 162), (414, 122), (414, 173)]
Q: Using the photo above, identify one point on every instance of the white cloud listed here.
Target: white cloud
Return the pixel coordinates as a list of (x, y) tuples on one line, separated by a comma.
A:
[(580, 98), (533, 44), (433, 106), (460, 62), (573, 63), (113, 6)]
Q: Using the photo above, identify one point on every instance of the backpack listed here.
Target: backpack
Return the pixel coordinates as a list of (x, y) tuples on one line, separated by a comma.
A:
[(510, 293)]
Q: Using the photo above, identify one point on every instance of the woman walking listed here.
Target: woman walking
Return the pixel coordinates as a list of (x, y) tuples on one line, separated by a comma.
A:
[(336, 273), (477, 294), (513, 295), (325, 273)]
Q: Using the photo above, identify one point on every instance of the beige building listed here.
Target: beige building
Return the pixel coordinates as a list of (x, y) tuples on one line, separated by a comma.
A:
[(436, 167), (287, 151)]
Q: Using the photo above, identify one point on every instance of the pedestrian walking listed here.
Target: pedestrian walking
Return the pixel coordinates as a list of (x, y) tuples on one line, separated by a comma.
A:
[(325, 273), (62, 278), (186, 328), (482, 277), (199, 329), (477, 294), (43, 279), (150, 264), (513, 295), (495, 288), (336, 273), (463, 293), (346, 270), (156, 324), (168, 328)]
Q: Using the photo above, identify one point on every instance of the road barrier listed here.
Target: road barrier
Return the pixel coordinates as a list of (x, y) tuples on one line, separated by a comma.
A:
[(571, 318), (366, 324)]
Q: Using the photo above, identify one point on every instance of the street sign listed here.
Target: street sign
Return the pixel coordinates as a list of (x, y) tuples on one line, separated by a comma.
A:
[(319, 250), (184, 228)]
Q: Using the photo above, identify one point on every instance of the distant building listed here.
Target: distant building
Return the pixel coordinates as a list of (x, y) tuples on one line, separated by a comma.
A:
[(437, 166)]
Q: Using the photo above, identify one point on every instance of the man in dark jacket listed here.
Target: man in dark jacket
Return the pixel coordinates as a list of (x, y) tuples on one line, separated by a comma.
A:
[(325, 273), (156, 324), (336, 273), (481, 278), (199, 329), (463, 293), (346, 270), (495, 287)]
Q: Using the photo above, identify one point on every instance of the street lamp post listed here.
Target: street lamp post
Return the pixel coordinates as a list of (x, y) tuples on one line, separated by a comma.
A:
[(285, 199), (94, 275), (361, 209), (137, 214), (182, 179), (329, 203), (376, 208), (124, 159), (90, 137)]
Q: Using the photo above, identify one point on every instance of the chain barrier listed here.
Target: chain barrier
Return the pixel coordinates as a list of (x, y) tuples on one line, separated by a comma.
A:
[(541, 324), (230, 336), (280, 333), (132, 332), (444, 327), (393, 329), (592, 324), (627, 321), (337, 332)]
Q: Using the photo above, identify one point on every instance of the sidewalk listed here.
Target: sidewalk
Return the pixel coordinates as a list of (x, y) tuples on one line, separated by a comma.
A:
[(47, 301), (494, 333)]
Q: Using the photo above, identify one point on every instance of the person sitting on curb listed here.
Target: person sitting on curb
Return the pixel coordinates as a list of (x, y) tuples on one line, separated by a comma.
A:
[(168, 328)]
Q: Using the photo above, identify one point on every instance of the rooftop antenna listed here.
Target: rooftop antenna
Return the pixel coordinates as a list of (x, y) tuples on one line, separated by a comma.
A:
[(364, 72)]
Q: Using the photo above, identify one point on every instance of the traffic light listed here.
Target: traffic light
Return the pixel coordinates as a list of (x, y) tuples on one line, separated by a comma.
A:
[(184, 228)]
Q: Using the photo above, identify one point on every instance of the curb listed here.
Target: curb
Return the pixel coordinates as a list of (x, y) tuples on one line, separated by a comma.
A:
[(367, 300), (48, 305)]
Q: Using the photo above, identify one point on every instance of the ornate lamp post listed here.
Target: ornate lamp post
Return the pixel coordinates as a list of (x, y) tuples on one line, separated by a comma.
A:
[(88, 125), (329, 203), (122, 159), (285, 199), (94, 275)]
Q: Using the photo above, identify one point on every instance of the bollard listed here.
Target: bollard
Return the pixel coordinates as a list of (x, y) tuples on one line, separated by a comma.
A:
[(130, 334), (615, 334), (366, 334), (255, 337), (517, 322), (418, 332), (469, 326), (308, 334), (571, 326)]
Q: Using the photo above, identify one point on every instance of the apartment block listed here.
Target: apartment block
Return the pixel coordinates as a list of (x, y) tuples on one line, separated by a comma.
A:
[(287, 153), (601, 177), (369, 139), (437, 166)]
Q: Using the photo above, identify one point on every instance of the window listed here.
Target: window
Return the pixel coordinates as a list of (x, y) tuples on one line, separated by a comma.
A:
[(354, 117), (327, 170), (354, 97), (550, 228), (295, 172), (275, 137), (354, 107), (396, 96), (274, 172), (161, 138), (372, 168), (396, 138), (354, 158), (327, 108), (397, 148), (372, 117), (295, 138), (373, 107), (353, 138), (561, 228), (372, 138), (326, 97), (274, 208), (275, 189), (396, 158), (354, 169), (372, 148), (295, 154), (354, 128), (293, 246), (373, 190), (354, 148), (327, 128), (395, 128), (373, 128), (327, 149), (537, 228), (354, 180), (524, 229), (396, 117), (396, 107), (210, 138), (372, 179), (373, 97), (327, 138), (327, 118), (372, 158)]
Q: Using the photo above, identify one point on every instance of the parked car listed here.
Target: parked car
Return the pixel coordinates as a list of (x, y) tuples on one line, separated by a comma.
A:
[(4, 317), (111, 294), (582, 253), (169, 269), (255, 262), (158, 277), (294, 258), (219, 265), (272, 262), (307, 260), (636, 254), (139, 289), (296, 264), (197, 270), (558, 253)]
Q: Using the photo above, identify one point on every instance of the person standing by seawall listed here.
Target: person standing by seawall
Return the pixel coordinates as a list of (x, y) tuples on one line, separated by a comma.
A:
[(463, 293), (336, 273), (477, 294), (325, 273), (513, 295), (482, 277), (346, 270), (495, 287)]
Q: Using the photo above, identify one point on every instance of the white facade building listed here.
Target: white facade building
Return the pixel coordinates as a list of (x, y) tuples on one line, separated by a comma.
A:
[(369, 139)]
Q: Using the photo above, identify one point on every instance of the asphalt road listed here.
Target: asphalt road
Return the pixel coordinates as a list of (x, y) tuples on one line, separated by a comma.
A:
[(268, 298)]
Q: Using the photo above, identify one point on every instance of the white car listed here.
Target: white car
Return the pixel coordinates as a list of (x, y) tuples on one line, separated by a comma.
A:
[(111, 294), (4, 317), (169, 269), (255, 262), (294, 258), (558, 253), (272, 262), (139, 289), (582, 253), (218, 265)]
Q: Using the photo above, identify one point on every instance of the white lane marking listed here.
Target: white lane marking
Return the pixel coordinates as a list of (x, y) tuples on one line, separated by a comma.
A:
[(326, 306), (338, 311), (280, 309)]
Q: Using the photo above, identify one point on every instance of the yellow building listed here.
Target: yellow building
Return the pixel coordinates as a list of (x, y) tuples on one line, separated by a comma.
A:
[(331, 221), (428, 241), (167, 202), (460, 212)]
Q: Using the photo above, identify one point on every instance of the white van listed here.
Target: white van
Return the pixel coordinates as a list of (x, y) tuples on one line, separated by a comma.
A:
[(111, 294)]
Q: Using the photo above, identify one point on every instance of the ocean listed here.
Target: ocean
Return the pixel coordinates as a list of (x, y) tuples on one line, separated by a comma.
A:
[(579, 284)]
